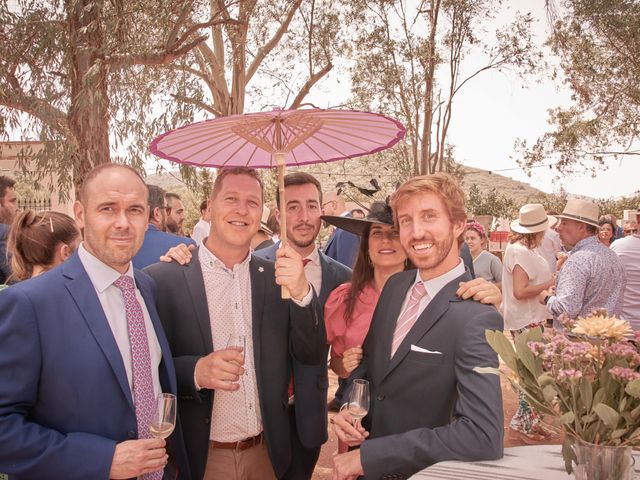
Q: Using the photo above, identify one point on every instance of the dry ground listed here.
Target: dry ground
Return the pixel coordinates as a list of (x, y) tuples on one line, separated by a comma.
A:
[(511, 438)]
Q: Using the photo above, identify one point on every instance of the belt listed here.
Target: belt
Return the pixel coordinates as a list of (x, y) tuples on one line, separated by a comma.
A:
[(240, 444)]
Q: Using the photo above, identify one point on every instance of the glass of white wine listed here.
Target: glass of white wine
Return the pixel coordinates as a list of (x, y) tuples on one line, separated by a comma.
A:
[(164, 418), (358, 406)]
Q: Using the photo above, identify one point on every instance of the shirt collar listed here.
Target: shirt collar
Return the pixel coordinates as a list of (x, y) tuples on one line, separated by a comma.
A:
[(151, 226), (101, 275), (434, 285), (585, 242), (314, 257), (209, 260)]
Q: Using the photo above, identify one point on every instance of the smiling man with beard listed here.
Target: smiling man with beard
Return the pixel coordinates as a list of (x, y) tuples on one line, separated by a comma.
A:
[(427, 403), (308, 407)]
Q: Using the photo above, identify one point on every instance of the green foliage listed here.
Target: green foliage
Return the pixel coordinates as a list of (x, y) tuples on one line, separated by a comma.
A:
[(598, 44), (490, 203), (559, 374)]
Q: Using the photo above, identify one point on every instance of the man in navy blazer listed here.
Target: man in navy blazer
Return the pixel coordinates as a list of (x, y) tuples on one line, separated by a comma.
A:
[(308, 407), (156, 239), (427, 404), (66, 401)]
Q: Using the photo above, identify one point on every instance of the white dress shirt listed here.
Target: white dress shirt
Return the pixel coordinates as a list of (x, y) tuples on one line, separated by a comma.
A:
[(313, 270), (200, 231), (102, 277), (433, 286)]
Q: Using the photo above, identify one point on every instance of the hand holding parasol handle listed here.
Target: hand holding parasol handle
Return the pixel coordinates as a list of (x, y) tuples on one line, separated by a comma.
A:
[(283, 217)]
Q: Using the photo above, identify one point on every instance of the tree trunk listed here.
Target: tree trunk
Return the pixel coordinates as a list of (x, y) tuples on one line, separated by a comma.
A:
[(89, 109)]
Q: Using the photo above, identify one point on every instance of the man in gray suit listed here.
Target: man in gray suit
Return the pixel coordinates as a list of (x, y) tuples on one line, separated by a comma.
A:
[(427, 403), (308, 407)]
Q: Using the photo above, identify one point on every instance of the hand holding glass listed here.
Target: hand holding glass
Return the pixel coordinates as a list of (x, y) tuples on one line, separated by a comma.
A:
[(358, 406), (164, 418)]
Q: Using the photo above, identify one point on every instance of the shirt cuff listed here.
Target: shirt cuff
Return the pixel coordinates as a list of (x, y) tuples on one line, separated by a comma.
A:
[(306, 300), (195, 382)]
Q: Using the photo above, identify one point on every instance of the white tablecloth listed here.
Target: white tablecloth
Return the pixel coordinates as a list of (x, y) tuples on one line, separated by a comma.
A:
[(534, 462)]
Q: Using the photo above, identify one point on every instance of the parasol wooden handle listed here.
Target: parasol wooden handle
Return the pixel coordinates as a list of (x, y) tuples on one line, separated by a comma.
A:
[(285, 294)]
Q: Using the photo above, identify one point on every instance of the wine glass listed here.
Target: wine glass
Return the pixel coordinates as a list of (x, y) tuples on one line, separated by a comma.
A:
[(358, 406), (164, 417), (237, 342)]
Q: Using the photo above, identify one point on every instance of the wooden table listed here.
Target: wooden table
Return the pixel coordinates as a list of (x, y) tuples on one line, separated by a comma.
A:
[(532, 462)]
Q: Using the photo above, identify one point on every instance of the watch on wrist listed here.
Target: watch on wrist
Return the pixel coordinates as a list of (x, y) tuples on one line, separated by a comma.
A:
[(546, 299)]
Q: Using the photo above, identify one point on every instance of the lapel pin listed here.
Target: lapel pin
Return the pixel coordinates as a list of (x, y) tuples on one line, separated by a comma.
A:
[(260, 269)]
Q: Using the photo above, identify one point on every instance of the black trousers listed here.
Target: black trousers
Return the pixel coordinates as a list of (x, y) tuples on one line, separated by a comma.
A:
[(303, 460)]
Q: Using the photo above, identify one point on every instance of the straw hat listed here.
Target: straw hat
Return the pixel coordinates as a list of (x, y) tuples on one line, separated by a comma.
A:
[(263, 221), (581, 211), (379, 213), (532, 219)]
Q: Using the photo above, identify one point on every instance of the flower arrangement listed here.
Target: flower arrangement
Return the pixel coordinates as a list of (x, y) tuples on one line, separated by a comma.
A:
[(586, 377)]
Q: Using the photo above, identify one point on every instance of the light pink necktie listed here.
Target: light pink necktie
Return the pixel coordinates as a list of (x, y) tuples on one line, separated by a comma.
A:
[(408, 317), (143, 397)]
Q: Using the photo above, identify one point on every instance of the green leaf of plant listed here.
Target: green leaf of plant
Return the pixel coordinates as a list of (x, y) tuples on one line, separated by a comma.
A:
[(633, 388), (525, 355), (549, 393), (545, 379), (502, 347), (618, 433), (484, 370), (607, 414), (586, 394), (568, 417), (568, 454), (599, 396)]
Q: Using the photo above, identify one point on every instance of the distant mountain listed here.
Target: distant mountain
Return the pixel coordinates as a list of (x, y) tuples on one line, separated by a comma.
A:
[(520, 192)]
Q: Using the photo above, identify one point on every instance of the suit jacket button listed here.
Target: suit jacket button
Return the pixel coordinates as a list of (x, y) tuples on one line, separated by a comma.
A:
[(380, 398), (206, 421), (131, 434)]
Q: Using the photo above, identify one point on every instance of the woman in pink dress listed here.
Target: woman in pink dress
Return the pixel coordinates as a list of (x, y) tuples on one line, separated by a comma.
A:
[(349, 308)]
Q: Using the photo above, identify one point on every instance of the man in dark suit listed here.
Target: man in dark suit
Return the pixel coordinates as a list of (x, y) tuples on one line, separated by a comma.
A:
[(427, 402), (156, 239), (234, 406), (308, 407), (83, 355), (342, 246)]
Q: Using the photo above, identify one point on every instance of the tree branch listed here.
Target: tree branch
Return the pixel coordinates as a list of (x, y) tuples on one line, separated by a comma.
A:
[(270, 45), (315, 78), (37, 108), (199, 104), (119, 61)]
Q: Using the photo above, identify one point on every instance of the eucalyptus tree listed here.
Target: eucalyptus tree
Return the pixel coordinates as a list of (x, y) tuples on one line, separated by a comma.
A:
[(597, 43), (412, 62)]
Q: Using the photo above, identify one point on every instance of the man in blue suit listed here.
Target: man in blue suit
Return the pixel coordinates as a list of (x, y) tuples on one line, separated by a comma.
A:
[(83, 355), (342, 246), (308, 407), (156, 239)]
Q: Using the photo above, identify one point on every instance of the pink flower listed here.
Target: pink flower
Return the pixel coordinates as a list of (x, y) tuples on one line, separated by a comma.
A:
[(623, 374), (570, 374)]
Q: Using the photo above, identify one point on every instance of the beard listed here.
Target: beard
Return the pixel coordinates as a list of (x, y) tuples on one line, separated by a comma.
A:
[(300, 241), (436, 254)]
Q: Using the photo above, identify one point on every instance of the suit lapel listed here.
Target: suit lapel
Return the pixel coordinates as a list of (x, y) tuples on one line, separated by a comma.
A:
[(389, 317), (83, 292), (436, 309), (328, 276), (195, 285), (256, 274)]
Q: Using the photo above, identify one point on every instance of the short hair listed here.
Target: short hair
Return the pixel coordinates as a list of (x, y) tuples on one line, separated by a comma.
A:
[(92, 174), (34, 238), (6, 182), (225, 172), (299, 178), (169, 195), (203, 205), (529, 240), (156, 199), (272, 222), (441, 184)]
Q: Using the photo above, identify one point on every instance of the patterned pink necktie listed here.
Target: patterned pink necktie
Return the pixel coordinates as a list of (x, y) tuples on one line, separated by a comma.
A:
[(408, 317), (143, 397)]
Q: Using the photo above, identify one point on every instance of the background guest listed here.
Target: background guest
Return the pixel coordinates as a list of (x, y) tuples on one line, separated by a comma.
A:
[(606, 234), (40, 241), (525, 274), (175, 214), (628, 250), (485, 264), (201, 229), (8, 210)]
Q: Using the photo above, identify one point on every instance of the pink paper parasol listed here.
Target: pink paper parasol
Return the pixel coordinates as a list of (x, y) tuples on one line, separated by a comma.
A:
[(279, 138)]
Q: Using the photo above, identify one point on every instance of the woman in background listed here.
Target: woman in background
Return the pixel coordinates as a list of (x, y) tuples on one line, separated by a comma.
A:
[(485, 263), (525, 274), (39, 241), (607, 229)]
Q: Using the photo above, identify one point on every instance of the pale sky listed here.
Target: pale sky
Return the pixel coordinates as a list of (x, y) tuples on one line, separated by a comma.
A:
[(494, 109)]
